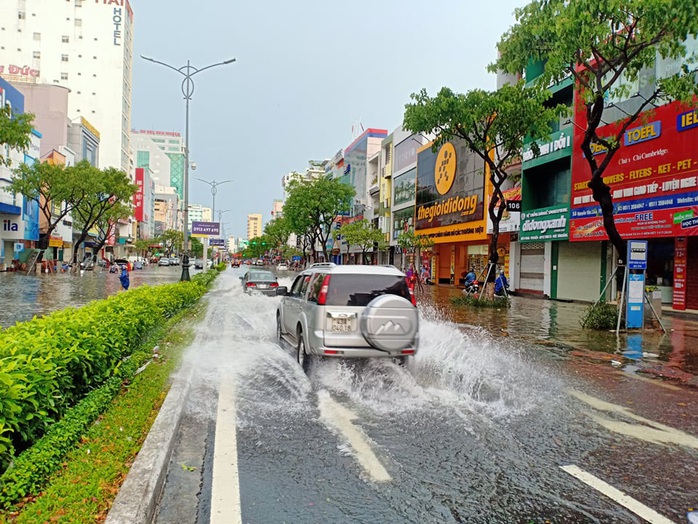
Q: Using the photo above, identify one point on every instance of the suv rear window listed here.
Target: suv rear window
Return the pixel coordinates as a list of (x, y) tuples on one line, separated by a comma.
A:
[(359, 290)]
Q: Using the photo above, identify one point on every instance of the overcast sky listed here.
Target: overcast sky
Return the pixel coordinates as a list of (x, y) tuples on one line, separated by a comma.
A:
[(306, 71)]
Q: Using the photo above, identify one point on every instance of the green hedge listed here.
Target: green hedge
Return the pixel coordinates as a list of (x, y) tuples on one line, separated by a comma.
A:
[(49, 364)]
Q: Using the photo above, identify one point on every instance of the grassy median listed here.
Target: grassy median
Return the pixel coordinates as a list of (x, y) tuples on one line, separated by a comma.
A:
[(91, 475)]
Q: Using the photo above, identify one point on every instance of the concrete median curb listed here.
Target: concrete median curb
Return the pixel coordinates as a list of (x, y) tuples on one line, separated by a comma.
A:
[(140, 492)]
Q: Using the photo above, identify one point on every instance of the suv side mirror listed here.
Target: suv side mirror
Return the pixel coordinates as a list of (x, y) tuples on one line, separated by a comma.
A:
[(281, 291)]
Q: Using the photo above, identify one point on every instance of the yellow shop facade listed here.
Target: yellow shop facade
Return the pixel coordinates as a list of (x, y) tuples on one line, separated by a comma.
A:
[(451, 209)]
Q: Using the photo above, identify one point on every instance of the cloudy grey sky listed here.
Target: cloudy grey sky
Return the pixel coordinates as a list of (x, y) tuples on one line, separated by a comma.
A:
[(305, 72)]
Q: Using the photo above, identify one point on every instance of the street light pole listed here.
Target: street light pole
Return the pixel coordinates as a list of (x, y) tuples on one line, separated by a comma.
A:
[(187, 71), (214, 185)]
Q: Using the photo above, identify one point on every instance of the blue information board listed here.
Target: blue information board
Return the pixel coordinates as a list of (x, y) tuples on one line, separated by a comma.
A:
[(637, 254)]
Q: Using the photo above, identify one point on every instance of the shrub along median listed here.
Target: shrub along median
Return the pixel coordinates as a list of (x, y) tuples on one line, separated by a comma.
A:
[(58, 373)]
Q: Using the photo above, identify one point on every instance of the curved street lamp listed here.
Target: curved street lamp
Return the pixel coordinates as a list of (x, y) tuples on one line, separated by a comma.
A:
[(187, 71), (214, 190)]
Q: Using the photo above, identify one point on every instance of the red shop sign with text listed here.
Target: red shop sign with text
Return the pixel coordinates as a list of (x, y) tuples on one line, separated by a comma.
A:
[(138, 195), (653, 178)]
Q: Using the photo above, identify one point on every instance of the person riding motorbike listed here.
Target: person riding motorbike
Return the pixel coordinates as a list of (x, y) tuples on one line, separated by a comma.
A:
[(471, 283)]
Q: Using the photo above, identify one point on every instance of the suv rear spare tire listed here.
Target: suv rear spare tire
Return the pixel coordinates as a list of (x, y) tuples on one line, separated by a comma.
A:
[(389, 323)]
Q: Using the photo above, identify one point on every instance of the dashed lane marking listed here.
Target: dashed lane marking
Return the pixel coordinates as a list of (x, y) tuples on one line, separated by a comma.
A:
[(225, 486), (645, 429), (340, 418), (616, 495)]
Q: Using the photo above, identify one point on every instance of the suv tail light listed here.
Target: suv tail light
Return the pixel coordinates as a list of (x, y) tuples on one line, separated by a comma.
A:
[(322, 297), (412, 297)]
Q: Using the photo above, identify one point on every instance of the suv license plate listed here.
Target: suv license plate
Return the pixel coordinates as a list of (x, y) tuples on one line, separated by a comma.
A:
[(341, 324)]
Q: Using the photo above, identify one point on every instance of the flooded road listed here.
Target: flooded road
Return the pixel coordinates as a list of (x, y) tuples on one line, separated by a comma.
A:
[(487, 424), (24, 296)]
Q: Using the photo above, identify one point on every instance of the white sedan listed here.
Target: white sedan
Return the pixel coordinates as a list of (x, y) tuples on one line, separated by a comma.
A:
[(282, 267)]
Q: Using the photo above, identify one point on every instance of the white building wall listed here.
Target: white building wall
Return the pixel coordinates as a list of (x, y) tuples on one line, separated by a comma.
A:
[(159, 164), (86, 46)]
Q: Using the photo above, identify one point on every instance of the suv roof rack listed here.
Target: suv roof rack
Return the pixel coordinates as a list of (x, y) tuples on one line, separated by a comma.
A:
[(323, 264)]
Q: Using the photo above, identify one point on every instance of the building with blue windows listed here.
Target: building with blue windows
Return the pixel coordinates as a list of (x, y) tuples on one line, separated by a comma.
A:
[(19, 216)]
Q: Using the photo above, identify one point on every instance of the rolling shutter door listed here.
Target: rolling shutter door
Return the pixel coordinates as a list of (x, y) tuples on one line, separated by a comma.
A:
[(532, 267)]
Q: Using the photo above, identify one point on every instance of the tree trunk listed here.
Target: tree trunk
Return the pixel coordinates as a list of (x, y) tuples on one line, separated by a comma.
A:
[(602, 194)]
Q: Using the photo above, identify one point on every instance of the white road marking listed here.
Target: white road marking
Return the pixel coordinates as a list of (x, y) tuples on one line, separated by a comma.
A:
[(225, 486), (340, 418), (646, 430), (616, 495)]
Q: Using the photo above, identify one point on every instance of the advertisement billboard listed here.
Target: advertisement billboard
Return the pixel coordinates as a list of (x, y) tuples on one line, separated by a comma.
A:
[(450, 193), (541, 225), (403, 188), (205, 229), (405, 154), (653, 178), (511, 219)]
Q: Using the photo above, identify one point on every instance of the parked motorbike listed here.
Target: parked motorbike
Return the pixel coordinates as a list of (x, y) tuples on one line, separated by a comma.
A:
[(472, 289)]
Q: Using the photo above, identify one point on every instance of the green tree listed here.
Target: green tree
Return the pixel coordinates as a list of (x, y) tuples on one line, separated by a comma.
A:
[(412, 243), (257, 247), (105, 228), (197, 247), (493, 126), (172, 240), (15, 132), (360, 233), (312, 207), (107, 194), (605, 45), (141, 246), (277, 231), (57, 188)]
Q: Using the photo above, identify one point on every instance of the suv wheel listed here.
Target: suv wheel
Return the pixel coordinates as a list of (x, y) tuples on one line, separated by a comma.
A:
[(278, 329), (303, 357)]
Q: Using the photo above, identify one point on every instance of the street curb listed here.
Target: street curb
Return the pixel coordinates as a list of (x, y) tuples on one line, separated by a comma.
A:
[(139, 494)]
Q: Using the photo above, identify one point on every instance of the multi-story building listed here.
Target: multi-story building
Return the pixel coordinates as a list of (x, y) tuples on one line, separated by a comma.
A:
[(402, 170), (165, 210), (84, 139), (451, 201), (546, 255), (254, 225), (355, 173), (199, 213), (86, 46), (314, 170), (19, 216), (277, 208), (163, 153), (654, 185)]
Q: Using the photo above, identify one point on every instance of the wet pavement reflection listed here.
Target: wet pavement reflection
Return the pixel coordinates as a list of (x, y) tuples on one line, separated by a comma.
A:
[(25, 296), (557, 326), (545, 323)]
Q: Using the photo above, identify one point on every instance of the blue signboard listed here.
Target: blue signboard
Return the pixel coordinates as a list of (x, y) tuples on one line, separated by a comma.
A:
[(635, 311), (637, 254)]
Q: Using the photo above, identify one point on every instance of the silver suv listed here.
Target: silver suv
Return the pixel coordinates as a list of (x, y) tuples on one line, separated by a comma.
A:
[(348, 312)]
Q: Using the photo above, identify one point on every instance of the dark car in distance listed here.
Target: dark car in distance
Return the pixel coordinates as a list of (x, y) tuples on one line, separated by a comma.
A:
[(258, 280)]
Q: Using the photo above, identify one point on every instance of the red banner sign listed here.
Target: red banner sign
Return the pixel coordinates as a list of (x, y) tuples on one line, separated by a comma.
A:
[(138, 196), (653, 178)]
